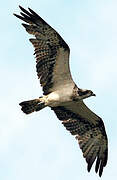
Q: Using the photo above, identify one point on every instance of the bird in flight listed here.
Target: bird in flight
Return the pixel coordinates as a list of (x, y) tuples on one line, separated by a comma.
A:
[(60, 92)]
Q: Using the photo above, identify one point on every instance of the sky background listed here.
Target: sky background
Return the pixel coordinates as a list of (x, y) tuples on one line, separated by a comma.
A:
[(37, 146)]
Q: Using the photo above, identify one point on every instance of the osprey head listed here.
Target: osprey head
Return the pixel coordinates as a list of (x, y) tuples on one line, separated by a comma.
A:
[(84, 93)]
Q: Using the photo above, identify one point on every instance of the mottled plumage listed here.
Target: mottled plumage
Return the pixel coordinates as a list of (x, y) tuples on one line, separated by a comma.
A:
[(61, 93), (47, 47), (91, 136)]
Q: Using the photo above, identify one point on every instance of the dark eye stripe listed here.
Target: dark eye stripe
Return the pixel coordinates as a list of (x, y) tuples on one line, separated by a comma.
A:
[(81, 93)]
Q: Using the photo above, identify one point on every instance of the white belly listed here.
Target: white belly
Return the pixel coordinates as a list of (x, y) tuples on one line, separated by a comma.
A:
[(55, 99)]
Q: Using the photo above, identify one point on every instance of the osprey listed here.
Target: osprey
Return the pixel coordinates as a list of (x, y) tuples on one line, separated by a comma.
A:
[(61, 93)]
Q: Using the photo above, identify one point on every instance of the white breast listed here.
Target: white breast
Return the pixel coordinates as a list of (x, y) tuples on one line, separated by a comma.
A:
[(58, 98)]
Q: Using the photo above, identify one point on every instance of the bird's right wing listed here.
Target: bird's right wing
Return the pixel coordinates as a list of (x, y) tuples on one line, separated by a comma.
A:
[(52, 52), (89, 130)]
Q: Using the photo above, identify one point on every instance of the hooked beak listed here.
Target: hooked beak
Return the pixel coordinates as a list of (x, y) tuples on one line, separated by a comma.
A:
[(93, 94)]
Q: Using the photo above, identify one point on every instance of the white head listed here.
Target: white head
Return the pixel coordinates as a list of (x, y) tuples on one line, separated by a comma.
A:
[(84, 93)]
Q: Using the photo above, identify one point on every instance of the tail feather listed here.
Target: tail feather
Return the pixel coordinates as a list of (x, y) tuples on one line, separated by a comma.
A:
[(30, 106)]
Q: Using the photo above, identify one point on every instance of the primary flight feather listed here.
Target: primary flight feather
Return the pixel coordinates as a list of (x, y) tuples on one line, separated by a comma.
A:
[(61, 93)]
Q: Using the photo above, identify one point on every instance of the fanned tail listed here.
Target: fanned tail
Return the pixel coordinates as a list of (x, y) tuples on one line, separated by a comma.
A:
[(32, 105)]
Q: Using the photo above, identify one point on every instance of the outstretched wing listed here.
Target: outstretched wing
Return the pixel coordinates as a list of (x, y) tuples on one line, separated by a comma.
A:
[(52, 52), (89, 130)]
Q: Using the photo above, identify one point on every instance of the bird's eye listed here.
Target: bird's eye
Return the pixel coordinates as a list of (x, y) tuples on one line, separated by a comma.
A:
[(81, 93)]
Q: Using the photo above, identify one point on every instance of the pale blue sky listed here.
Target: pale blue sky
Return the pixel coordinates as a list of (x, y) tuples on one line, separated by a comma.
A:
[(38, 146)]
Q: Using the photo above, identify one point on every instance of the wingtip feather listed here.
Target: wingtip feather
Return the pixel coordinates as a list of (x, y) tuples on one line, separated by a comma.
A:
[(33, 12), (22, 9), (18, 16)]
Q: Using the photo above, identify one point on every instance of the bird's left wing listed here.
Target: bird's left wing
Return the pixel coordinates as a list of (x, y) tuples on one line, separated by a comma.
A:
[(52, 52), (89, 130)]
